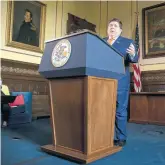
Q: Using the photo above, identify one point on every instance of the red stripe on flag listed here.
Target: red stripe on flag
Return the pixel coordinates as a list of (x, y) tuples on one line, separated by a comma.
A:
[(137, 82), (136, 68)]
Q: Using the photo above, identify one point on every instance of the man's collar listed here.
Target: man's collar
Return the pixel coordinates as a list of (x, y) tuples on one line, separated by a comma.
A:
[(115, 38)]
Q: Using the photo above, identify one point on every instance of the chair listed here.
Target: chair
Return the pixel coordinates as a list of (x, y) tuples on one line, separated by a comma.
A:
[(22, 113)]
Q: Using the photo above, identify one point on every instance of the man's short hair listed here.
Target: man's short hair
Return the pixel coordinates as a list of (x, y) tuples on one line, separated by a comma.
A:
[(116, 20), (27, 10)]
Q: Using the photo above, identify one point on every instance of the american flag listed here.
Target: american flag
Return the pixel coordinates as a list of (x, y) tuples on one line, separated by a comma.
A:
[(136, 68)]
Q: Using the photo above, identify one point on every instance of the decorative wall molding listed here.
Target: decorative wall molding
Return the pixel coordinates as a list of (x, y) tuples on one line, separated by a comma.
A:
[(16, 67), (152, 81), (18, 70), (153, 76)]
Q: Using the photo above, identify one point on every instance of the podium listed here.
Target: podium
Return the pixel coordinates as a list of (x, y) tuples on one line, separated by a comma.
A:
[(82, 70)]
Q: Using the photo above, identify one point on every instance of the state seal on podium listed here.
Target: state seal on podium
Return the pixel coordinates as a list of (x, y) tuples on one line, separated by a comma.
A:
[(61, 53)]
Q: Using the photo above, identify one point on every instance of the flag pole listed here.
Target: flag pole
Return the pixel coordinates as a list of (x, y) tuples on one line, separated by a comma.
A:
[(137, 11)]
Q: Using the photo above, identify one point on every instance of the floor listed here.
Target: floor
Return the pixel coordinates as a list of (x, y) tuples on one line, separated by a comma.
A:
[(21, 146)]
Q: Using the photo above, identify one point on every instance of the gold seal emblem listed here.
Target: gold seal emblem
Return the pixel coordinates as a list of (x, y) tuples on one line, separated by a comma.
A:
[(61, 53)]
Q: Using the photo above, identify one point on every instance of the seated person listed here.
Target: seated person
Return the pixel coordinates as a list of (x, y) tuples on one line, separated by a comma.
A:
[(5, 108)]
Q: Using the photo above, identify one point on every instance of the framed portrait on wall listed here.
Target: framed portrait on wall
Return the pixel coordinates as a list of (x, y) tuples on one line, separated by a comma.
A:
[(153, 21), (26, 25), (75, 24)]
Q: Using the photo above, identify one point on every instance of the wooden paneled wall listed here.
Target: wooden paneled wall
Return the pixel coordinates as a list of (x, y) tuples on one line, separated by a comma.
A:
[(19, 76), (152, 81)]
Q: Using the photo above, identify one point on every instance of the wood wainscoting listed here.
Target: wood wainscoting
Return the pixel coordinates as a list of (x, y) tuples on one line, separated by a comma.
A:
[(149, 105), (20, 76)]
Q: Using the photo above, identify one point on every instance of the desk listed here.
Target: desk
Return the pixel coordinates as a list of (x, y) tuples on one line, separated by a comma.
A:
[(147, 107)]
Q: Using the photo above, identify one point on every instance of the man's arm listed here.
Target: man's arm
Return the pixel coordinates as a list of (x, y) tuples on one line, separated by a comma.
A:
[(132, 53)]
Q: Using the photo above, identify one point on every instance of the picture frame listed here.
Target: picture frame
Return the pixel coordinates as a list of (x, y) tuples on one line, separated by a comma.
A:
[(153, 31), (25, 28)]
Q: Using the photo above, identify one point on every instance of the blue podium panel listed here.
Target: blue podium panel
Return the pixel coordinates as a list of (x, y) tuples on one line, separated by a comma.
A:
[(76, 61), (90, 55), (102, 60)]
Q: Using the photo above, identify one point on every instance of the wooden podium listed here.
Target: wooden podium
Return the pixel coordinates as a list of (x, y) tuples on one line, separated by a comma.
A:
[(83, 95)]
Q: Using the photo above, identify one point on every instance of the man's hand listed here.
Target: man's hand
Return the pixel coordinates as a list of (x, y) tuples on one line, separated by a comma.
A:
[(131, 50)]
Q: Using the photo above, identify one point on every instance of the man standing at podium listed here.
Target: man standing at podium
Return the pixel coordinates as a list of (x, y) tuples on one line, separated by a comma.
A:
[(126, 48)]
